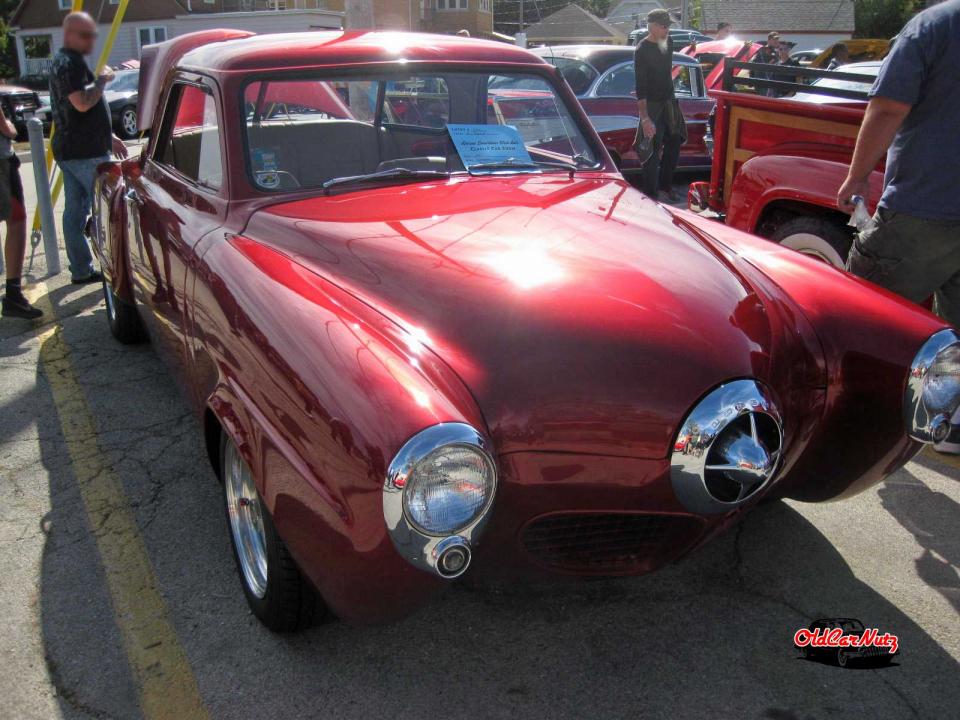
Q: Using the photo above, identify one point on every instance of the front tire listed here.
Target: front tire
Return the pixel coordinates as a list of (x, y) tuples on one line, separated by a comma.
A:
[(122, 317), (127, 123), (276, 591), (818, 237)]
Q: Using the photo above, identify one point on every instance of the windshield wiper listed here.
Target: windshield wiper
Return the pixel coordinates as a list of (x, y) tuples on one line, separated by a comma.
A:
[(508, 164), (533, 166), (399, 174)]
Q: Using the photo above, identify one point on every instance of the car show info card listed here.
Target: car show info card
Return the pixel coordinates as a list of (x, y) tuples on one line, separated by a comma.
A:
[(482, 144)]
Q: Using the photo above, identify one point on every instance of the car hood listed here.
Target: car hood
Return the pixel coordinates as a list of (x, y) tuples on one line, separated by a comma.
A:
[(581, 315), (113, 96)]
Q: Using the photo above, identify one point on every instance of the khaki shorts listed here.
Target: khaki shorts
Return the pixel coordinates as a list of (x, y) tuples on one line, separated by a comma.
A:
[(913, 257)]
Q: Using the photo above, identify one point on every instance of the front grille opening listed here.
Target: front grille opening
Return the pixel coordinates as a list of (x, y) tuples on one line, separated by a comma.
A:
[(608, 543)]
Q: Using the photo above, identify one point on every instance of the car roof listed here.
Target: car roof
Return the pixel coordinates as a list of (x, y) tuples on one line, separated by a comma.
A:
[(602, 57), (729, 46), (317, 49), (868, 67)]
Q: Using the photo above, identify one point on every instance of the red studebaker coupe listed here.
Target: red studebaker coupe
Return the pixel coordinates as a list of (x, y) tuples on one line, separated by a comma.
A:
[(409, 360)]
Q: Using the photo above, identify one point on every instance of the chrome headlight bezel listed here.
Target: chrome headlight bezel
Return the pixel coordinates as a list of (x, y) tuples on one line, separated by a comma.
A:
[(421, 547), (924, 425)]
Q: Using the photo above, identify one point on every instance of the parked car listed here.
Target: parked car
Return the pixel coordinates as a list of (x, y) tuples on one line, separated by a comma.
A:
[(845, 656), (121, 96), (779, 162), (603, 79), (418, 348), (20, 104), (859, 50), (805, 57), (869, 70), (680, 36), (713, 55)]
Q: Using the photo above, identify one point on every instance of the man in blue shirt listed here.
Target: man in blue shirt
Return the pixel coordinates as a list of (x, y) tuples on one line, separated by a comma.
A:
[(912, 244)]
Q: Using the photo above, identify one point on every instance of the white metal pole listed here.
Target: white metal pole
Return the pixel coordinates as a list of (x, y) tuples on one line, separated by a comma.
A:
[(47, 224)]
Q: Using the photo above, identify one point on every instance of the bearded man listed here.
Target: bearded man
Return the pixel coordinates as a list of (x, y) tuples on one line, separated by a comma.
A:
[(661, 122)]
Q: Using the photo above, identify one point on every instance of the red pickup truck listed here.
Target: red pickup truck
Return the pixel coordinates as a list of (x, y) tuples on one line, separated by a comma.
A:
[(779, 161)]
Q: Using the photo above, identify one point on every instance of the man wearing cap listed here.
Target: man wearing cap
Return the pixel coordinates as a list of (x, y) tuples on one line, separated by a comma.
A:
[(661, 121)]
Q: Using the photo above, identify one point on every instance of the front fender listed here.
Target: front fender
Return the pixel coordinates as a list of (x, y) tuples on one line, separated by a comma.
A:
[(764, 179), (320, 391)]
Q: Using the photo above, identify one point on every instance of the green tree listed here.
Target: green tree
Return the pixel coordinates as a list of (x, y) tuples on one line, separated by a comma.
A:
[(882, 18), (8, 47)]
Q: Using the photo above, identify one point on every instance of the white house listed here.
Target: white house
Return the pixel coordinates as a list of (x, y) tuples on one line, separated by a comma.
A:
[(36, 23)]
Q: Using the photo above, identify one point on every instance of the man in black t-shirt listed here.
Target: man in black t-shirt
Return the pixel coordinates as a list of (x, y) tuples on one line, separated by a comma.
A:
[(660, 116), (82, 136)]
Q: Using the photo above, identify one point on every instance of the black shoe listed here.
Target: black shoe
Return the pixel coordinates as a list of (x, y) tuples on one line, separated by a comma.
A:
[(93, 277), (671, 195), (20, 308)]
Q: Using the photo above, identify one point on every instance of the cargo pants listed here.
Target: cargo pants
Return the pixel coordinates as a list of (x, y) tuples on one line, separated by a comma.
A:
[(913, 257)]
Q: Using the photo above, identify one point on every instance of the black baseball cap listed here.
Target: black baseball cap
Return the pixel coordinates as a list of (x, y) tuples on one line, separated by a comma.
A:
[(660, 17)]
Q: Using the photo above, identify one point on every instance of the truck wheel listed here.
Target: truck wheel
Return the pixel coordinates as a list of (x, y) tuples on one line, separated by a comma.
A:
[(817, 237), (276, 591), (122, 317)]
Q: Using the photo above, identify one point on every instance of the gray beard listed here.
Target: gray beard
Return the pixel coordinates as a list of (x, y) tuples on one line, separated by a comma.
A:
[(662, 45)]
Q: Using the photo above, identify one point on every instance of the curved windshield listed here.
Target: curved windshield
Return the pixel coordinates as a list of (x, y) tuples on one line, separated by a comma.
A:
[(345, 132)]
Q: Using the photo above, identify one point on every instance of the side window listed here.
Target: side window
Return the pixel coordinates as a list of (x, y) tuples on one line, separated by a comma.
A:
[(619, 82), (682, 81), (192, 144)]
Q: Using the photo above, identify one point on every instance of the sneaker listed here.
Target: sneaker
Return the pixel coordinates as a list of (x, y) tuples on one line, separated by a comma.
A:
[(19, 307), (93, 277)]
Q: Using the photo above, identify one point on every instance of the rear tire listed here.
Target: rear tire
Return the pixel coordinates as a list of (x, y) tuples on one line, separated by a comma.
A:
[(276, 591), (122, 317), (818, 237)]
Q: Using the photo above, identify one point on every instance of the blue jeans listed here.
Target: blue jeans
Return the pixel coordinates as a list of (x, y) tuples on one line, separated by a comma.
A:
[(78, 177)]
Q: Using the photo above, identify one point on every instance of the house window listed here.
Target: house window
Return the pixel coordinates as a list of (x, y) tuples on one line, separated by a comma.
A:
[(150, 35), (65, 4), (37, 46), (452, 4), (485, 6)]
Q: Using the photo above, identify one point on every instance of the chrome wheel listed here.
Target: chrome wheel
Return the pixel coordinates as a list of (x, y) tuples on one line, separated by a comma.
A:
[(246, 521), (128, 121)]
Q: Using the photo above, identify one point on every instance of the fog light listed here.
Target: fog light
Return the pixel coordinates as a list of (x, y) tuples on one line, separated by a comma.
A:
[(453, 557)]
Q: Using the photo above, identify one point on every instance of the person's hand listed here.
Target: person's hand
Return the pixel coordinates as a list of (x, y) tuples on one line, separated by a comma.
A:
[(105, 76), (649, 128), (851, 187), (119, 149)]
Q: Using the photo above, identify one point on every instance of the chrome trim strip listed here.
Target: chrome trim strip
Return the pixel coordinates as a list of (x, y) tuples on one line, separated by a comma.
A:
[(922, 424), (416, 546)]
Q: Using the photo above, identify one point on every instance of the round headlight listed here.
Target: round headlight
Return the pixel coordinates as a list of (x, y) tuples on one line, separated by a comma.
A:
[(448, 489), (933, 388)]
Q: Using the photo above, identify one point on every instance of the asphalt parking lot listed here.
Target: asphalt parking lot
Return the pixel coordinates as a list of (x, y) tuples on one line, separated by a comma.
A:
[(121, 599)]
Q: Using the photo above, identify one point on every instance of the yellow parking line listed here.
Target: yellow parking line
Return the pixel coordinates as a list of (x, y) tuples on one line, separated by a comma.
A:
[(165, 683)]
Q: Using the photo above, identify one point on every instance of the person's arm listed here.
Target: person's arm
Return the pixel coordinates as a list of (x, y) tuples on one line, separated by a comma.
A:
[(880, 125), (86, 98), (7, 128), (899, 86), (649, 129)]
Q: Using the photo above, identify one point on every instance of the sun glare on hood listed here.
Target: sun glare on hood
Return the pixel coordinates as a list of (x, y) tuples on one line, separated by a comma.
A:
[(527, 268)]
